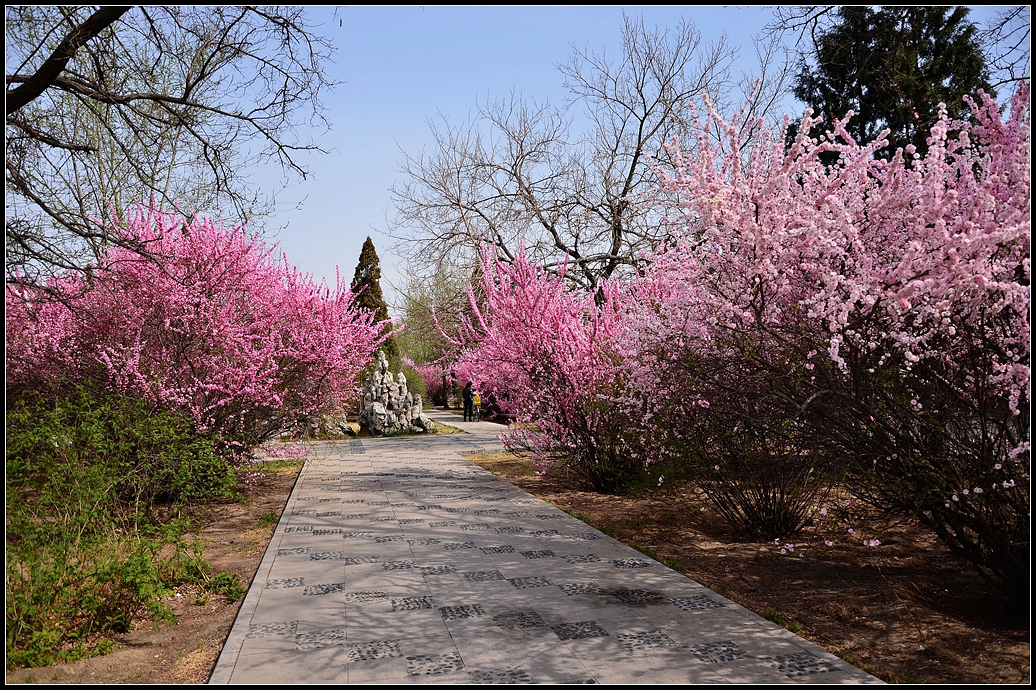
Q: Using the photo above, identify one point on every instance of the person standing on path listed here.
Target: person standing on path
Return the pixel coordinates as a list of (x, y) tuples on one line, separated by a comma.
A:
[(469, 402)]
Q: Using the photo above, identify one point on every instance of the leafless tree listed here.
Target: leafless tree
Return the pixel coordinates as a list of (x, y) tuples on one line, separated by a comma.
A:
[(1007, 38), (431, 308), (803, 22), (572, 183), (107, 106)]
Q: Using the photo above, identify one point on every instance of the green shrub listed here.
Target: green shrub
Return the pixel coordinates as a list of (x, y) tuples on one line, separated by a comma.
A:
[(86, 476), (783, 621), (227, 585), (106, 457), (59, 597)]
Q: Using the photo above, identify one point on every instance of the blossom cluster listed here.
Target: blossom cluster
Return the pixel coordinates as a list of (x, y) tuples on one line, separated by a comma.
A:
[(916, 259), (817, 304), (209, 323), (553, 356)]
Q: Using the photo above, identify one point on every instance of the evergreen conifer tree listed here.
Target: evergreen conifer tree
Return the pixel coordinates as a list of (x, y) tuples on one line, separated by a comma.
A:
[(367, 282), (893, 66)]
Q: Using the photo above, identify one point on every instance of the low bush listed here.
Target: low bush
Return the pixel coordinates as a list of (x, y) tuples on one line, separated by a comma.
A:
[(742, 441), (92, 481), (937, 441), (107, 457), (552, 352)]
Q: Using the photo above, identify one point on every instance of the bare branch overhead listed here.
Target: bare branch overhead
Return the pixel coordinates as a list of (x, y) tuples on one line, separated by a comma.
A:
[(43, 77), (570, 183), (111, 106)]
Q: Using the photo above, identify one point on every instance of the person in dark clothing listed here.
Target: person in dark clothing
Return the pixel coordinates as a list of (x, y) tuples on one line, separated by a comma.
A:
[(469, 402)]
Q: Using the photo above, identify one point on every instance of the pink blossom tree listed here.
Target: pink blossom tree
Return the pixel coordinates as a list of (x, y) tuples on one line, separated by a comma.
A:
[(552, 355), (822, 314), (434, 375), (879, 307), (217, 329)]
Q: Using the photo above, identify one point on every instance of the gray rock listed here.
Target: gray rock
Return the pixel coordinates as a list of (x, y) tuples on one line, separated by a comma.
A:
[(388, 405)]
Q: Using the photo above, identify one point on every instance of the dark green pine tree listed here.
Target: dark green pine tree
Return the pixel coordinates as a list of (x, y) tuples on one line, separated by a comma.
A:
[(367, 282), (893, 66)]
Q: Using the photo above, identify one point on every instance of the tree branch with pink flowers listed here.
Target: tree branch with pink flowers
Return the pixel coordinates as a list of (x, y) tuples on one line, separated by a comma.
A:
[(217, 329)]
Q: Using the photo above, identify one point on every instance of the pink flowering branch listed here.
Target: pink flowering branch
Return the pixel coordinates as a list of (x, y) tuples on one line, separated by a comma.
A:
[(217, 329), (551, 354)]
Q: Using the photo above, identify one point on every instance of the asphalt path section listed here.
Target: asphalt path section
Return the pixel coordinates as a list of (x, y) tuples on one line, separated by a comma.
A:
[(397, 560)]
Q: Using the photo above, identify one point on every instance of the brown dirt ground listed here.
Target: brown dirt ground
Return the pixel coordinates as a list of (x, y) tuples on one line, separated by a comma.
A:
[(905, 612)]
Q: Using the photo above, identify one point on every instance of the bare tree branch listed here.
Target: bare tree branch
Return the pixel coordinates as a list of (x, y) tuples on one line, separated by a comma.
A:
[(165, 102), (1007, 39), (517, 175), (33, 86), (800, 20)]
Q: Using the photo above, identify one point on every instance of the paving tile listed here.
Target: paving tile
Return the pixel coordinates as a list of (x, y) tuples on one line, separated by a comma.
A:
[(433, 664), (413, 603), (268, 644), (400, 562), (291, 667), (492, 595), (579, 630), (383, 670), (318, 620), (394, 623)]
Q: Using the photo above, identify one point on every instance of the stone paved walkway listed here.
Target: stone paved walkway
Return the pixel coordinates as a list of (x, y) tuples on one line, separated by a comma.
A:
[(396, 560)]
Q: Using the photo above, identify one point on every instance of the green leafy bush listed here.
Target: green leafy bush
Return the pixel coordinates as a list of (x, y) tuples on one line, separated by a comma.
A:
[(87, 477), (227, 585), (106, 457), (59, 596)]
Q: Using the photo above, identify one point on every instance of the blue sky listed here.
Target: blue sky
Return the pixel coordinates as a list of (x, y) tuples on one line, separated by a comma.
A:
[(401, 67)]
